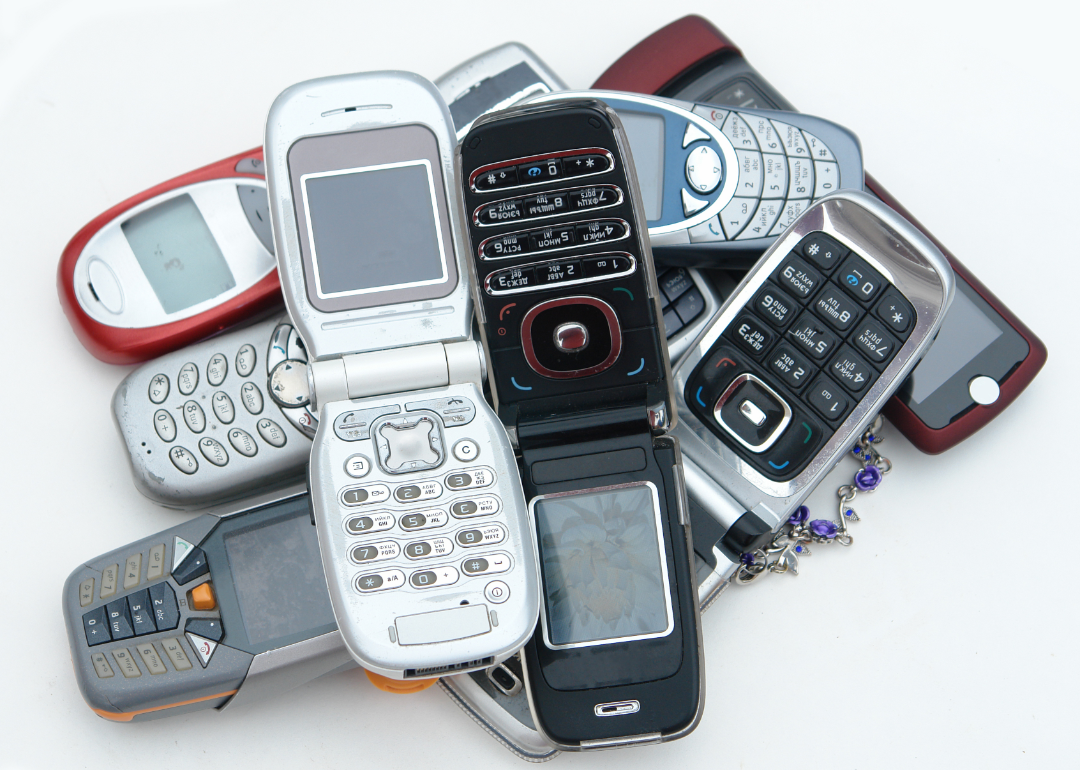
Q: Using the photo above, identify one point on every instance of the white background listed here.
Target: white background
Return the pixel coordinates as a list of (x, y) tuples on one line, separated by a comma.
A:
[(945, 636)]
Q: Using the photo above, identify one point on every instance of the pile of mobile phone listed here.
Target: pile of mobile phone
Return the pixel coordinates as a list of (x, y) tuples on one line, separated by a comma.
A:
[(514, 371)]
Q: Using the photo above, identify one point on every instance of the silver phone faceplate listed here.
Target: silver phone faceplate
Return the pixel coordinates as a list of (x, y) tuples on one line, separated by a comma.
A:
[(366, 619), (905, 257), (346, 104)]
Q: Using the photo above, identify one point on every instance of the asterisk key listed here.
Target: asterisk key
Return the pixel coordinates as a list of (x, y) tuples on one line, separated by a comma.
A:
[(897, 318)]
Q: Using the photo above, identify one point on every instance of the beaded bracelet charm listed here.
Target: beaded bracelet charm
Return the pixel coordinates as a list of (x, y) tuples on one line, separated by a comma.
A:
[(793, 540)]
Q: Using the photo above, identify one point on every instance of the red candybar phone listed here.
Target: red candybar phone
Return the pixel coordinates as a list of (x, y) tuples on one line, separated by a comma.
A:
[(174, 264), (984, 356)]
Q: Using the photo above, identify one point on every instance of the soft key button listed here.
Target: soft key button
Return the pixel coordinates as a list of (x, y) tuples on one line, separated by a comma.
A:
[(374, 522), (213, 451), (429, 549), (452, 410), (188, 378), (356, 426), (381, 551), (216, 369), (165, 425), (472, 478), (357, 466), (379, 581), (476, 506), (693, 134), (491, 564), (223, 407), (428, 519), (365, 495), (410, 442), (489, 535), (421, 490), (241, 441), (194, 416)]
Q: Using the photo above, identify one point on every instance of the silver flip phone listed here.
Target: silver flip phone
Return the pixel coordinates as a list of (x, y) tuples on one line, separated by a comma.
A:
[(424, 534), (805, 353)]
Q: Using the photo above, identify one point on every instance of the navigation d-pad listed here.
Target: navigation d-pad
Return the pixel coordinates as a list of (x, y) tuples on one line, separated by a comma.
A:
[(410, 442), (752, 413), (571, 337)]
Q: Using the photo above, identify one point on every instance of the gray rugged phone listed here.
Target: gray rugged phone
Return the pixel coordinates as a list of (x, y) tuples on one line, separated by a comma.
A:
[(227, 608)]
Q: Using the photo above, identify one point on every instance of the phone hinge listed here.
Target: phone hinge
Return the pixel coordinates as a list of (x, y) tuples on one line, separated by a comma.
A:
[(587, 426), (614, 743), (396, 370)]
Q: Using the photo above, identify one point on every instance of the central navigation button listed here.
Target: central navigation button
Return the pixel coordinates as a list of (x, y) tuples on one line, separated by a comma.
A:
[(752, 413), (571, 336)]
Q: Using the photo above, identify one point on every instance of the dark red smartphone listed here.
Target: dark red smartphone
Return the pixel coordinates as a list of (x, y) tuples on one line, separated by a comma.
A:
[(174, 264), (983, 357)]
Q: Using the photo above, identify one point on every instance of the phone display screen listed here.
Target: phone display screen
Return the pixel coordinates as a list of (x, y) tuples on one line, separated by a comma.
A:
[(277, 573), (603, 564), (374, 228), (178, 254), (646, 135), (964, 334)]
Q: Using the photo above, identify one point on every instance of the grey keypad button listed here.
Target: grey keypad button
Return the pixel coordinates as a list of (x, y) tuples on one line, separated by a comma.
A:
[(765, 132), (132, 571), (213, 451), (487, 535), (428, 519), (826, 178), (791, 212), (184, 460), (774, 176), (188, 379), (223, 407), (216, 369), (466, 450), (150, 658), (251, 397), (431, 578), (165, 425), (164, 606), (453, 410), (174, 651), (818, 150), (421, 490), (750, 174), (379, 581), (271, 432), (477, 506), (119, 619), (242, 442), (86, 592), (792, 139), (800, 178), (101, 665), (489, 564), (194, 416), (126, 663), (155, 568), (739, 132), (477, 566), (385, 549), (735, 215), (375, 522), (357, 466), (159, 388), (110, 579), (246, 358), (288, 385), (96, 627), (429, 549), (368, 494), (759, 226)]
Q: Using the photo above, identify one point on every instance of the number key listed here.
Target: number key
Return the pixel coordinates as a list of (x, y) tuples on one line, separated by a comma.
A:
[(793, 369)]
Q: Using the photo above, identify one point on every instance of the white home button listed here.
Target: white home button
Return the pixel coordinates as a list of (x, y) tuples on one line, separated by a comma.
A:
[(984, 390)]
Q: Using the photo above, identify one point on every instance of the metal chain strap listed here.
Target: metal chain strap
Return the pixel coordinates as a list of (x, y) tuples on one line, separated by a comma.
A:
[(793, 540)]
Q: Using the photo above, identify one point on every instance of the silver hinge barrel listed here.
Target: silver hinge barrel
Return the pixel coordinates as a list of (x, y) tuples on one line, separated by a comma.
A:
[(396, 370)]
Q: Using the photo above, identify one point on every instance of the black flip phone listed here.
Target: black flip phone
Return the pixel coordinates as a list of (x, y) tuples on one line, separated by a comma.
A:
[(569, 312), (984, 356)]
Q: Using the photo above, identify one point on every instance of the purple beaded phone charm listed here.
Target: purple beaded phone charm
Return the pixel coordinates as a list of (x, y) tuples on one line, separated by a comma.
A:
[(794, 538)]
